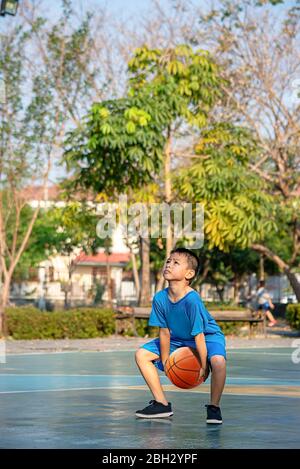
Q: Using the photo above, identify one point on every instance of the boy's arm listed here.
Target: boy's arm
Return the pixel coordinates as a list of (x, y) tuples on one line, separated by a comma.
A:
[(202, 350), (164, 338)]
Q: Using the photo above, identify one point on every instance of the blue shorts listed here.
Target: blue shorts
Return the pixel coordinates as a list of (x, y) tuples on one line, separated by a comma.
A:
[(213, 347), (265, 306)]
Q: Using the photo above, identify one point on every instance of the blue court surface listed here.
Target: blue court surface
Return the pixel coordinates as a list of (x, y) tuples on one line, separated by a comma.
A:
[(88, 400)]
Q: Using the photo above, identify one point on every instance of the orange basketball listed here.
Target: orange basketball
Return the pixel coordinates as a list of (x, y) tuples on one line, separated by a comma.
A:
[(183, 368)]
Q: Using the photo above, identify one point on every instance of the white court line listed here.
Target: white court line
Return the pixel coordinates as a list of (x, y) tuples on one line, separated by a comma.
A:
[(233, 378), (128, 388), (66, 375), (232, 349), (21, 354), (287, 354), (63, 389)]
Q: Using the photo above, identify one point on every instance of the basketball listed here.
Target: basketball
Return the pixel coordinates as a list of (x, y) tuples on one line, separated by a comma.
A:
[(183, 368)]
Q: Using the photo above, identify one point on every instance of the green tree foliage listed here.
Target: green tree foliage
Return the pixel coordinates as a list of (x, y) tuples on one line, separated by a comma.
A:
[(120, 147), (122, 141), (184, 81), (238, 209), (261, 93), (73, 226)]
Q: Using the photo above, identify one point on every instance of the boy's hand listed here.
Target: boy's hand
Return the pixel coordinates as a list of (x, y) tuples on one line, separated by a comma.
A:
[(204, 373)]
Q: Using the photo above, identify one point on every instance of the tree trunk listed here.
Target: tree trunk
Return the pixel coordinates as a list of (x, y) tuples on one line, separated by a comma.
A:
[(66, 297), (295, 284), (236, 290), (135, 275), (108, 283), (168, 198), (4, 301), (220, 292), (168, 193), (145, 291), (202, 277), (261, 273)]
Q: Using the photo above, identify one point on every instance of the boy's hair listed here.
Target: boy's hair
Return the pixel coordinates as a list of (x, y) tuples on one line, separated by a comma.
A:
[(192, 260)]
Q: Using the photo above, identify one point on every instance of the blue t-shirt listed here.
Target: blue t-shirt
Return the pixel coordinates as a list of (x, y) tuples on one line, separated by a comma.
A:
[(185, 318)]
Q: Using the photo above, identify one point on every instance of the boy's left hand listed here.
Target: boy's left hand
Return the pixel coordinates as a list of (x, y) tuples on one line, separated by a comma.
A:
[(204, 372)]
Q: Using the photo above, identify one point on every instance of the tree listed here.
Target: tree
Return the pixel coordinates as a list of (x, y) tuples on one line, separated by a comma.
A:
[(187, 84), (49, 80), (149, 194), (41, 240), (22, 161), (119, 149), (126, 141), (259, 54), (220, 268), (238, 209)]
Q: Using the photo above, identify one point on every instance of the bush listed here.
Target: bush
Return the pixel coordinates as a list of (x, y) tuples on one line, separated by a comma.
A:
[(143, 329), (293, 315), (230, 328), (78, 323)]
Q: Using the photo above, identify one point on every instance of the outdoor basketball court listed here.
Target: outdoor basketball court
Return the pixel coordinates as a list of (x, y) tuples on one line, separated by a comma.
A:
[(88, 400)]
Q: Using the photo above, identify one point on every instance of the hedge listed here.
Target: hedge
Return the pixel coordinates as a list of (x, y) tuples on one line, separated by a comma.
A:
[(293, 315), (28, 322)]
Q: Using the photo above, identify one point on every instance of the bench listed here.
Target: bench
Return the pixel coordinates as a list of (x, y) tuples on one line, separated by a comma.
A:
[(246, 315)]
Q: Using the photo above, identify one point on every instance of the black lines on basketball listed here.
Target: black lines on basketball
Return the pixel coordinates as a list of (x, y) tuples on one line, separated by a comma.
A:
[(180, 376), (180, 379)]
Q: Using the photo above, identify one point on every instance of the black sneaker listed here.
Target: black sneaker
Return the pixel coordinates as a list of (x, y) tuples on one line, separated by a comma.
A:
[(213, 414), (155, 410)]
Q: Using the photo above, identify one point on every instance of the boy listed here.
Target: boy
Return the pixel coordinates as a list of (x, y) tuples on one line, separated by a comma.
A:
[(183, 321)]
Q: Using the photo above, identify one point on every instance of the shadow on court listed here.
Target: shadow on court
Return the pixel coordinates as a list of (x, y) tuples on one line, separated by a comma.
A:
[(88, 400)]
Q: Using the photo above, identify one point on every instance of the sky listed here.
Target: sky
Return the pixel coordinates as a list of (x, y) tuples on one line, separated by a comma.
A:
[(123, 9), (134, 8), (120, 9)]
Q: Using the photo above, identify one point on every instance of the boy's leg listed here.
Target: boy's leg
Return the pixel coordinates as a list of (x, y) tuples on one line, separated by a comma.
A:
[(144, 359), (270, 316), (218, 377)]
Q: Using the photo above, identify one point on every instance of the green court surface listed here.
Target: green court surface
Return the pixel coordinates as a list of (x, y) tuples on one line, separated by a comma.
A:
[(88, 400)]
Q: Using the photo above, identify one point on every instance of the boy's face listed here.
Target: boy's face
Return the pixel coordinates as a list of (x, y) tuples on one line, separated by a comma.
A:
[(177, 268)]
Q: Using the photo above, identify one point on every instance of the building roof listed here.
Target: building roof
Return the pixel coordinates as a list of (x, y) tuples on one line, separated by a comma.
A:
[(101, 258), (40, 193), (53, 193)]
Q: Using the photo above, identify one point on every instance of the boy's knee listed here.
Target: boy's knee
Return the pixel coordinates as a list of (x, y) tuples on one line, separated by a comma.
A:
[(140, 355), (218, 362), (143, 355)]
